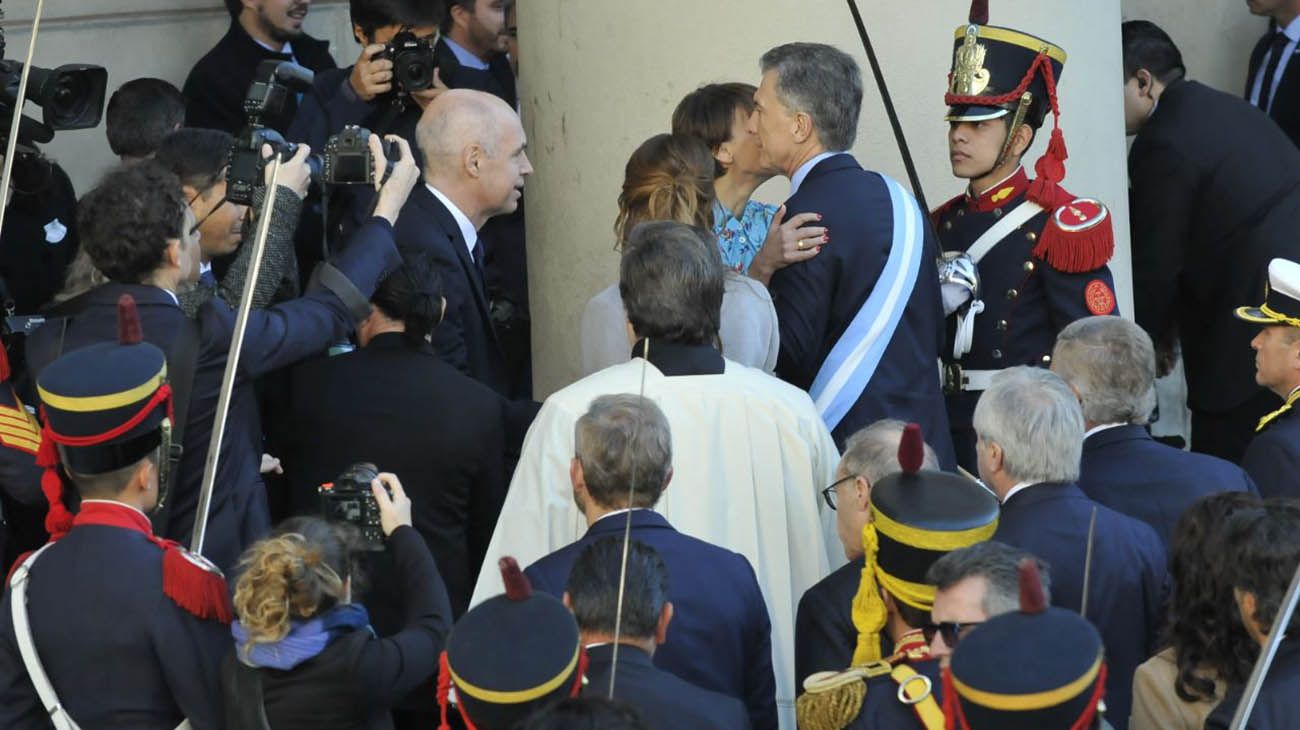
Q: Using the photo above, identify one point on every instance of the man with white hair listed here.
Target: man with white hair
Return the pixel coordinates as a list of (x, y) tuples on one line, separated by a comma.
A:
[(1110, 364), (1030, 436), (475, 165), (824, 634)]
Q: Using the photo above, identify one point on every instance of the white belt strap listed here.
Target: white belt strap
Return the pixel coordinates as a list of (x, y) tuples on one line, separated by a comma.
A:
[(1019, 216), (27, 648), (977, 380)]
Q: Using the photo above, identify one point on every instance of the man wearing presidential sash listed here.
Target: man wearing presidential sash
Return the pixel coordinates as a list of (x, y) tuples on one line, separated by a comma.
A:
[(861, 323)]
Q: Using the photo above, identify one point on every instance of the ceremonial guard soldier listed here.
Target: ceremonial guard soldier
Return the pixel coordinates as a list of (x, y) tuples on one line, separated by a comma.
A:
[(20, 477), (917, 517), (1022, 258), (1039, 668), (109, 626), (1273, 457), (510, 656)]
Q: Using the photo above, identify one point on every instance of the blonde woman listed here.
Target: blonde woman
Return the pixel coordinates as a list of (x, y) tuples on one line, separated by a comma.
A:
[(305, 654), (670, 178)]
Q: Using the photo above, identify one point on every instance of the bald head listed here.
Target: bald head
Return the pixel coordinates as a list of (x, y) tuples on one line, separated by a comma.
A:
[(474, 152)]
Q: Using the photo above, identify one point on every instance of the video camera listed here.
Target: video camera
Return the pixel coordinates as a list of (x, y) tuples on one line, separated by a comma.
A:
[(346, 159), (348, 499), (413, 61)]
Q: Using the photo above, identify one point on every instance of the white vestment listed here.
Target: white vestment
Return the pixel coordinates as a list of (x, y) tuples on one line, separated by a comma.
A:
[(750, 454)]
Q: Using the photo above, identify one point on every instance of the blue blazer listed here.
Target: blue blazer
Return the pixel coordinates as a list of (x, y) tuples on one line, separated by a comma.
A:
[(816, 300), (276, 336), (720, 637), (1128, 580), (664, 701), (1273, 457), (119, 652), (1132, 473)]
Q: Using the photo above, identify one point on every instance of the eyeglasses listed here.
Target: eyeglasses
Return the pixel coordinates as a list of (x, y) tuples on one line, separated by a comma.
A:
[(831, 495), (951, 631)]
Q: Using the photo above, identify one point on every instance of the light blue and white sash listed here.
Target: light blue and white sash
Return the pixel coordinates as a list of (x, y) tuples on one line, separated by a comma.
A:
[(852, 361)]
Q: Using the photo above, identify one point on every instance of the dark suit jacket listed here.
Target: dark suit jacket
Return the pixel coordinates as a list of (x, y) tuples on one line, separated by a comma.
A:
[(215, 89), (498, 79), (1273, 457), (466, 338), (1128, 580), (1278, 705), (720, 637), (816, 300), (663, 701), (119, 652), (401, 408), (1133, 474), (276, 336), (1285, 107), (1210, 208), (824, 634)]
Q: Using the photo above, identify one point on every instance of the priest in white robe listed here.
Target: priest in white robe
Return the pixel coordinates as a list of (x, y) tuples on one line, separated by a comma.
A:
[(750, 452)]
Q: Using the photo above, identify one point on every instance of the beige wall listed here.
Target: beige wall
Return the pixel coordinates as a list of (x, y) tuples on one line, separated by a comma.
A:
[(1215, 36), (599, 77), (133, 38)]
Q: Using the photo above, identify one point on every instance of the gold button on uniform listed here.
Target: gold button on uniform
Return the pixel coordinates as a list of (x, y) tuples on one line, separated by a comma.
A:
[(1002, 324), (947, 225), (997, 354), (1031, 236), (1012, 294), (1029, 267)]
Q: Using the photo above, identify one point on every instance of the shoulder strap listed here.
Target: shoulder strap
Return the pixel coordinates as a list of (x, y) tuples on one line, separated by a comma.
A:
[(1019, 216), (852, 362), (59, 717), (917, 690), (182, 362)]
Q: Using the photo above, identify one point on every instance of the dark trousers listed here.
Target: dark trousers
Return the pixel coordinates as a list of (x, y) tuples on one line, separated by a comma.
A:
[(1226, 435)]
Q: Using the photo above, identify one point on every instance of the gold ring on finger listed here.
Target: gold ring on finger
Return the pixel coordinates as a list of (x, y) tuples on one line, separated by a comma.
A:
[(799, 245)]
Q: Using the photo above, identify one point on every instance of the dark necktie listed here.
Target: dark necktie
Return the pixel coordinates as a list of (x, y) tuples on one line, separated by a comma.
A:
[(208, 279), (1275, 49), (477, 254)]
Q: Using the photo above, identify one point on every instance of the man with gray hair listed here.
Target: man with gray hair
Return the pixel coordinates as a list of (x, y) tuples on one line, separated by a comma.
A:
[(971, 586), (721, 639), (1110, 365), (1029, 432), (749, 451), (861, 323), (824, 634), (475, 165)]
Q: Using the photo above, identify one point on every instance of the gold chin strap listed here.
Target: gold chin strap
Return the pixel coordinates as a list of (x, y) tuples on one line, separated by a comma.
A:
[(1290, 401), (1017, 119)]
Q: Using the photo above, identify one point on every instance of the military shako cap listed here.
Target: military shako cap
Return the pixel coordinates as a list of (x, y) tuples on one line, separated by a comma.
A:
[(1281, 297), (1039, 668), (105, 407), (917, 517), (510, 655), (993, 67)]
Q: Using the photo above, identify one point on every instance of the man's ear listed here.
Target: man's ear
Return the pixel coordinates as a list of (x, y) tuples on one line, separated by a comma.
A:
[(861, 493), (172, 254), (189, 191), (801, 127), (359, 35), (668, 480), (1021, 139), (567, 601), (459, 15), (1144, 80), (724, 155), (665, 618), (472, 160), (996, 455), (576, 475)]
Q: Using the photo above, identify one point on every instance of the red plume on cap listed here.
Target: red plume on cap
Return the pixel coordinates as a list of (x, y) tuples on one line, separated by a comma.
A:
[(979, 12), (1031, 588), (911, 449), (517, 586), (4, 364), (128, 321)]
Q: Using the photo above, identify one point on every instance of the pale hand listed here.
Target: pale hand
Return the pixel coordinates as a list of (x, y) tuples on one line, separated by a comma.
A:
[(394, 511)]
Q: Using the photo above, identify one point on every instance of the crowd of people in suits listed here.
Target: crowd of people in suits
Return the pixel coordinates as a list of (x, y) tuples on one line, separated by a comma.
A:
[(837, 463)]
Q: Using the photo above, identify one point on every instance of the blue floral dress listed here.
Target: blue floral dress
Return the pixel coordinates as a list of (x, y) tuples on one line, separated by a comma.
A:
[(740, 238)]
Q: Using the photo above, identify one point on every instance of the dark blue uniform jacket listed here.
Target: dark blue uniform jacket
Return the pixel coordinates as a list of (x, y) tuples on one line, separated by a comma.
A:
[(1273, 457)]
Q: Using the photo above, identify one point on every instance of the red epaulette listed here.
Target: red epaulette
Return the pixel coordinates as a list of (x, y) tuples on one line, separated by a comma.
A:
[(195, 584), (1078, 236), (937, 213)]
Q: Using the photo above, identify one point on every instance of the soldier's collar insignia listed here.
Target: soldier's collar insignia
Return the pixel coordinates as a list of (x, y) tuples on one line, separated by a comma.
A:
[(1003, 194)]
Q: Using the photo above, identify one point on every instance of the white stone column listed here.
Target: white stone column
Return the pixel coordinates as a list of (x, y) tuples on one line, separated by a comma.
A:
[(598, 77)]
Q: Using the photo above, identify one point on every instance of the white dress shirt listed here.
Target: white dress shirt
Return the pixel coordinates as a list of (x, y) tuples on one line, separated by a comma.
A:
[(798, 177), (467, 229)]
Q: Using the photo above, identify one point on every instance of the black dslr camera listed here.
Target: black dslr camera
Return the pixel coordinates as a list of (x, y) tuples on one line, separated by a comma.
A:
[(347, 159), (348, 499), (413, 61)]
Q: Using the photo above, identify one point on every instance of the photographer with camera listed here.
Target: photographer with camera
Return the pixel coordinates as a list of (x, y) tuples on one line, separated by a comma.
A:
[(392, 81), (199, 158), (139, 231), (305, 655)]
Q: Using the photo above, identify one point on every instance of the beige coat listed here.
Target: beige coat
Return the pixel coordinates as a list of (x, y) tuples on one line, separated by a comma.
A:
[(1156, 706)]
